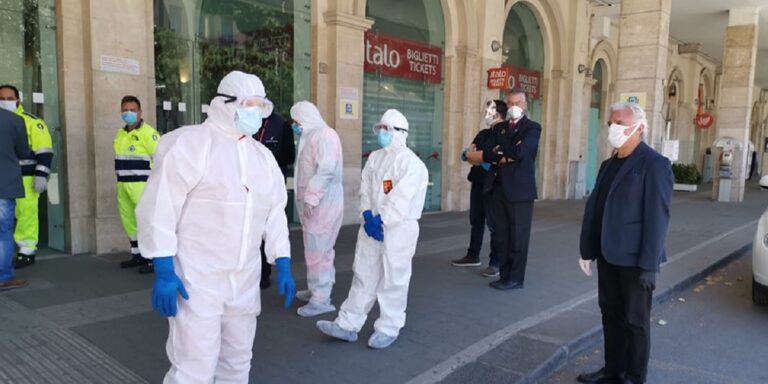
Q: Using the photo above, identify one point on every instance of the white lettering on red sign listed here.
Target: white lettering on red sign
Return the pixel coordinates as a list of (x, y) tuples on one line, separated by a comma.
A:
[(402, 58), (381, 55)]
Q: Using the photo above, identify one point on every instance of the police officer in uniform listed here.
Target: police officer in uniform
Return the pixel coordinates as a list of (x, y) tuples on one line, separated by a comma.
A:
[(134, 147), (35, 169)]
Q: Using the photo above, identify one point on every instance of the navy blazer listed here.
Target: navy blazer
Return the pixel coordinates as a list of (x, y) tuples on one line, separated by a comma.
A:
[(519, 144), (636, 215), (277, 135)]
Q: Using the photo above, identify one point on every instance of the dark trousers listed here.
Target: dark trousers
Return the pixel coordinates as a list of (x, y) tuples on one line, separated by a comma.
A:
[(480, 215), (512, 235), (266, 268), (626, 309)]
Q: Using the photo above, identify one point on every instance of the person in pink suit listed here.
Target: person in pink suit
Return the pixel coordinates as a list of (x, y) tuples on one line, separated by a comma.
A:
[(320, 201)]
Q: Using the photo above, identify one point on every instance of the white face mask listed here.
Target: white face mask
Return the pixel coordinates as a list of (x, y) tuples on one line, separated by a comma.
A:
[(8, 105), (490, 114), (515, 112), (616, 136)]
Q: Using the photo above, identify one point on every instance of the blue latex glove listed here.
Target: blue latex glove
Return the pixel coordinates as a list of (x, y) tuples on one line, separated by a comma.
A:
[(167, 287), (378, 228), (464, 154), (368, 226), (285, 284), (486, 166), (367, 215)]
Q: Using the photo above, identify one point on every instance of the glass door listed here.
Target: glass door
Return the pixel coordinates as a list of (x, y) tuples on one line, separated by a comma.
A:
[(30, 62)]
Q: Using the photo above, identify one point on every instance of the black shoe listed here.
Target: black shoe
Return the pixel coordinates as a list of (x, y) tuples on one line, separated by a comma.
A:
[(23, 261), (147, 268), (599, 377), (467, 261), (265, 283), (503, 285), (133, 262)]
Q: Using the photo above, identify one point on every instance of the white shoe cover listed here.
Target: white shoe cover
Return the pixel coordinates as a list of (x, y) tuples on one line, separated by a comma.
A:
[(304, 295), (380, 341), (314, 309), (332, 329)]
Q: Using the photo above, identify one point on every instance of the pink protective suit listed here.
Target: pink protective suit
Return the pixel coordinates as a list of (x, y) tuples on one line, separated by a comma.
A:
[(319, 197)]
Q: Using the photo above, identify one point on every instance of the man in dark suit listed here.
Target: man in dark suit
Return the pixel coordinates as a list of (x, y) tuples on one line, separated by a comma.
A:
[(624, 229), (512, 150), (276, 134), (480, 209)]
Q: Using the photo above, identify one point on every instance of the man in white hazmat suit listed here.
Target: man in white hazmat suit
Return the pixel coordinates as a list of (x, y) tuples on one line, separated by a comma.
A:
[(392, 192), (320, 200), (212, 196)]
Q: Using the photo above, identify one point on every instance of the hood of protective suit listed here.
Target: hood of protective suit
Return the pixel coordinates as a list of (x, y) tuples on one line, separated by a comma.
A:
[(308, 115), (239, 85), (393, 118)]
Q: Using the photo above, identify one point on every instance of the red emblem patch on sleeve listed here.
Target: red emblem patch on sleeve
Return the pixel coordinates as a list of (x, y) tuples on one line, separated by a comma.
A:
[(387, 186)]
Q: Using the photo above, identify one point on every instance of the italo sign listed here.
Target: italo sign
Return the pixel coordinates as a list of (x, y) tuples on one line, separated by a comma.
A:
[(391, 56), (508, 77)]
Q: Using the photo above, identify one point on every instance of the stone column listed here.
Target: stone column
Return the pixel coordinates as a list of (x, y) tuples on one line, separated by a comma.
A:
[(77, 124), (91, 105), (462, 121), (642, 57), (338, 65), (736, 94)]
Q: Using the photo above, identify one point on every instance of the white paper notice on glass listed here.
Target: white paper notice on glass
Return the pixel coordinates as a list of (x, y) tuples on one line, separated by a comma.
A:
[(167, 106), (204, 108), (119, 65), (182, 107), (53, 189), (38, 97)]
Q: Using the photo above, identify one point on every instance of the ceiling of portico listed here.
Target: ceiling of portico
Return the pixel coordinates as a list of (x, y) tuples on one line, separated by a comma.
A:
[(705, 21)]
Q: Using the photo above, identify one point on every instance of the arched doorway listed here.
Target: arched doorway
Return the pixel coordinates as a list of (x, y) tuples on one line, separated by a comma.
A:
[(596, 114), (415, 87)]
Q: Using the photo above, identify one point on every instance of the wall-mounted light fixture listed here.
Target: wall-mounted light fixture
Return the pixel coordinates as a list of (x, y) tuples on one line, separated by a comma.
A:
[(583, 69), (495, 45)]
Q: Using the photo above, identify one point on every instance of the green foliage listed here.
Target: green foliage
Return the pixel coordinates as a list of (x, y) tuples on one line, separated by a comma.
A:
[(170, 51), (686, 174)]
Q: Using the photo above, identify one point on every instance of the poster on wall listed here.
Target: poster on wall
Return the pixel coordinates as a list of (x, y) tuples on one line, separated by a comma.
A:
[(396, 57), (634, 97), (119, 65), (509, 77), (349, 103)]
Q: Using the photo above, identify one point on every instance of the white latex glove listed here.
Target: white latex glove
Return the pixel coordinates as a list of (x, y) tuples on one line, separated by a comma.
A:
[(308, 209), (586, 266), (40, 184)]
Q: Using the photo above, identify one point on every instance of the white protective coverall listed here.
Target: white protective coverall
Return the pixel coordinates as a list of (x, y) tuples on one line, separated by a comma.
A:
[(212, 196), (394, 185), (319, 183)]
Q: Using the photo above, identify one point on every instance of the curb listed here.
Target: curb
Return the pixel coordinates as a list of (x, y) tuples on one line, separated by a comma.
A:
[(590, 338)]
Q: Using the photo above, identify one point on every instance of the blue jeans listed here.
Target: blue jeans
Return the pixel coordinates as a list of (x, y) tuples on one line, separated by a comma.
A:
[(7, 247)]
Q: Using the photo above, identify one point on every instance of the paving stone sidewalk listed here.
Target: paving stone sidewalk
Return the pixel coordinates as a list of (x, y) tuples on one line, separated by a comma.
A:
[(84, 320)]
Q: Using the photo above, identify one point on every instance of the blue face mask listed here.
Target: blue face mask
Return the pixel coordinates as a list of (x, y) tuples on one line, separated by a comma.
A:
[(296, 129), (248, 120), (384, 138), (130, 117)]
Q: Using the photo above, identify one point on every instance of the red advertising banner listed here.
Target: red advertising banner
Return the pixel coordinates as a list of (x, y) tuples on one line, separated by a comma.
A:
[(508, 77), (498, 77), (402, 58)]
